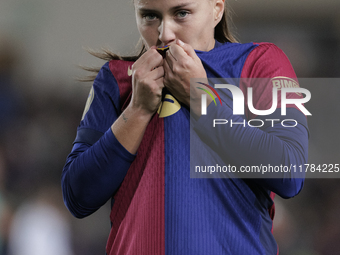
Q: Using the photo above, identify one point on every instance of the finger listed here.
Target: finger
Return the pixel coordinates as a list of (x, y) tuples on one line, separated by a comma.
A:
[(176, 53), (169, 61), (149, 60), (157, 73), (187, 48), (159, 86), (167, 68), (154, 60), (160, 82), (177, 60)]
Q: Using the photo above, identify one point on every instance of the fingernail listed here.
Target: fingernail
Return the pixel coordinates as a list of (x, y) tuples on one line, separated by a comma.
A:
[(180, 42)]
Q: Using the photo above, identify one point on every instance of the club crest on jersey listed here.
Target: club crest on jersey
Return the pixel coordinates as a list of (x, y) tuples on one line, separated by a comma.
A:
[(168, 107)]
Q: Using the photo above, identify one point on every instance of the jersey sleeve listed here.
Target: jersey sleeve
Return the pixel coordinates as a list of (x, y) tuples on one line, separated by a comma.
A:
[(271, 144), (97, 163), (265, 68)]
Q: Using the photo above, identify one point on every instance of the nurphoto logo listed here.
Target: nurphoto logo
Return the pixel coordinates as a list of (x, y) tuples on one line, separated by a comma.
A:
[(239, 104)]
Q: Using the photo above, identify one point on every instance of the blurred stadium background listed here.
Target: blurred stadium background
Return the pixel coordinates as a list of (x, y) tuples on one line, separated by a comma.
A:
[(41, 103)]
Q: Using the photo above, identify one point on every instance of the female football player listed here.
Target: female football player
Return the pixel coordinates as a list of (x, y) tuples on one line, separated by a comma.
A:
[(133, 142)]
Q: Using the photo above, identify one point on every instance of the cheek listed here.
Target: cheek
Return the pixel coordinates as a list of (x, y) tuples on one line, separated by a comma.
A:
[(205, 26), (197, 28), (199, 34), (149, 35)]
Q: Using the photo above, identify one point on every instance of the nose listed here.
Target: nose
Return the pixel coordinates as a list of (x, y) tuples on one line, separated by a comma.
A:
[(166, 31)]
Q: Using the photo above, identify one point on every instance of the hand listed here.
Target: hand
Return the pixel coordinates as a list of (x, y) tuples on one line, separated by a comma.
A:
[(181, 63), (147, 82)]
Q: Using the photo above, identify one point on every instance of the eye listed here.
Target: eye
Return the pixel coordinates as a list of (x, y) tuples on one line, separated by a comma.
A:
[(149, 16), (182, 14)]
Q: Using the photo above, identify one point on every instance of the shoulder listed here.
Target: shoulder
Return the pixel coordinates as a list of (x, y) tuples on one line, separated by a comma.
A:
[(120, 68), (267, 51), (114, 70), (104, 79), (226, 59), (121, 71), (266, 60), (255, 60), (232, 50), (113, 77), (266, 46)]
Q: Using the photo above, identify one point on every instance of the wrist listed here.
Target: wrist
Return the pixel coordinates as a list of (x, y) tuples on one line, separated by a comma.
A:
[(138, 113)]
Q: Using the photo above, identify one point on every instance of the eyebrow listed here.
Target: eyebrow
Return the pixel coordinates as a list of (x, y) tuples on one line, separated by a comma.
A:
[(180, 6)]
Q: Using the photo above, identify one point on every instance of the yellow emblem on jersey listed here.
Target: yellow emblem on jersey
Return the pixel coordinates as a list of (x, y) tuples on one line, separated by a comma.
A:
[(88, 102), (168, 107)]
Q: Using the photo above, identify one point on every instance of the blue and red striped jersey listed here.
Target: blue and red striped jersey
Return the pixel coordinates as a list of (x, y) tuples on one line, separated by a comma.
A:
[(156, 207)]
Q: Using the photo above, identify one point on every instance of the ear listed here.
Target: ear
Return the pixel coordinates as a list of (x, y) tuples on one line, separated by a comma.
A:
[(218, 10)]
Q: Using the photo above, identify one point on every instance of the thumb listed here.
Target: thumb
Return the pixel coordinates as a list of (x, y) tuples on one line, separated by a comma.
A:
[(187, 48)]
